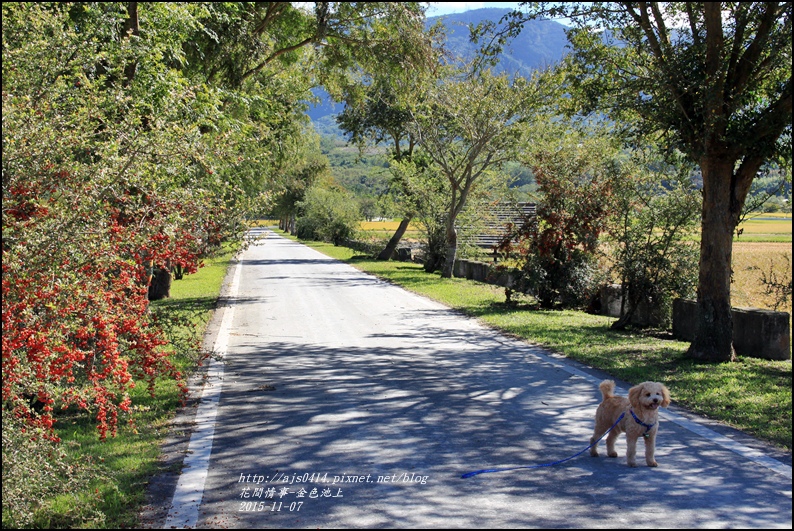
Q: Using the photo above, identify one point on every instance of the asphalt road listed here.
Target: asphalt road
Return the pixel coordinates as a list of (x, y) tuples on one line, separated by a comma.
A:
[(347, 402)]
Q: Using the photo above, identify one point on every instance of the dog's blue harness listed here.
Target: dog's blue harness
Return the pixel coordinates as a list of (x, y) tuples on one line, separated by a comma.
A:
[(489, 470), (641, 423)]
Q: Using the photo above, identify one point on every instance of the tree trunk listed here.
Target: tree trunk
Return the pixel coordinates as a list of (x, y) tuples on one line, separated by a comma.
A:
[(178, 271), (624, 320), (388, 251), (452, 249), (131, 27), (456, 207), (160, 285), (714, 333)]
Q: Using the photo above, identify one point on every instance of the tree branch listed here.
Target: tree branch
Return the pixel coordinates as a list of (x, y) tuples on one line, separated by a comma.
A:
[(712, 18), (274, 10), (275, 54), (664, 38), (738, 38), (715, 97), (692, 16), (669, 75), (749, 60), (774, 120)]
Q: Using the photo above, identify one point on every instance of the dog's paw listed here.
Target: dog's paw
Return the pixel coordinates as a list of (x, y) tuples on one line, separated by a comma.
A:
[(632, 464), (653, 463), (612, 454)]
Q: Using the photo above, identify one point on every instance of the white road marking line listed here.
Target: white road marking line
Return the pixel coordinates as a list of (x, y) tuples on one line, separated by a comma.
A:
[(190, 487), (745, 451)]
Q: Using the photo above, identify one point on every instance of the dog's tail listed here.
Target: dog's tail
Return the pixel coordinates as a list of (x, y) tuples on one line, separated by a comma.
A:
[(607, 389)]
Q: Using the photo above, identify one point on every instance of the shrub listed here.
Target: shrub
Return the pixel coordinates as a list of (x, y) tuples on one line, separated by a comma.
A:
[(327, 214), (653, 233), (102, 180), (35, 471), (558, 253), (570, 282)]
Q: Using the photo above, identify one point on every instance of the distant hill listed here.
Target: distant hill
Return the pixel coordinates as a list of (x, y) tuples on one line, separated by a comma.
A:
[(541, 44)]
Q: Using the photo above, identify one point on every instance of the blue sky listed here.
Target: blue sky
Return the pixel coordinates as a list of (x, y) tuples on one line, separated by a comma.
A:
[(445, 8)]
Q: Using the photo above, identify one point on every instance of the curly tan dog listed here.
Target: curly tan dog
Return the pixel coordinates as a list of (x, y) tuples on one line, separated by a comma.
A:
[(640, 418)]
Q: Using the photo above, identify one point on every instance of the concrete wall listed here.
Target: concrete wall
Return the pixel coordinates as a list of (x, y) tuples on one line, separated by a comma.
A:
[(471, 270), (684, 319), (757, 333), (611, 300), (483, 272)]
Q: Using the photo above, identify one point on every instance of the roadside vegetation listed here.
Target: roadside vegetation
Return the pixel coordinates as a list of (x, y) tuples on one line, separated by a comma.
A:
[(137, 139), (89, 483), (762, 251)]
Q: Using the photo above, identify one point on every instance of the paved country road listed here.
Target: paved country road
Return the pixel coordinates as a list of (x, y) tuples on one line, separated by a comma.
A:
[(347, 402)]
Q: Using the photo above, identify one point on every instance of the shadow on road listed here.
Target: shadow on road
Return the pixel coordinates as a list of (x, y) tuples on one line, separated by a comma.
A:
[(375, 413)]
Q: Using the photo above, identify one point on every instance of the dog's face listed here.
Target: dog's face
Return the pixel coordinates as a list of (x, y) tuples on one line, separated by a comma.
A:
[(649, 395)]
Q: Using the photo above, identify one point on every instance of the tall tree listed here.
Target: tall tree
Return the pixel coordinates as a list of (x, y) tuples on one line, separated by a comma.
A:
[(352, 43), (377, 110), (469, 125), (715, 79), (376, 113)]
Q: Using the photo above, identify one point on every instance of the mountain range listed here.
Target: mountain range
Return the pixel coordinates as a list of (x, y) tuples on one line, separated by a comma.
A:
[(541, 44)]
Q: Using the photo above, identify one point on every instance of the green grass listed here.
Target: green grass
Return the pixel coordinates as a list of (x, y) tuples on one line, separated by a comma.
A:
[(752, 395), (125, 463), (763, 238)]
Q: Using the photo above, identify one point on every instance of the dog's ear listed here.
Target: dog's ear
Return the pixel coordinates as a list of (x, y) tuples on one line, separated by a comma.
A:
[(634, 396), (665, 396)]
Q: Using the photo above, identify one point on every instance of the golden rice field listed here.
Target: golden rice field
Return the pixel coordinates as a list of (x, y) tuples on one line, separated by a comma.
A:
[(384, 229), (384, 225), (763, 247), (766, 228), (750, 260)]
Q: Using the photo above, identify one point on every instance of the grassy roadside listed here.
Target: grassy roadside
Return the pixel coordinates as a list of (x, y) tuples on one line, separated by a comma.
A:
[(121, 466), (752, 395)]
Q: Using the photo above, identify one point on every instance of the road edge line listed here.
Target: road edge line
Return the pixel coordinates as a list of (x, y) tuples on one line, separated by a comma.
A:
[(189, 492)]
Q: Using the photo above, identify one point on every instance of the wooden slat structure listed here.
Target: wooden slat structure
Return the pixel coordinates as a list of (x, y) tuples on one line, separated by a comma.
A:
[(504, 220)]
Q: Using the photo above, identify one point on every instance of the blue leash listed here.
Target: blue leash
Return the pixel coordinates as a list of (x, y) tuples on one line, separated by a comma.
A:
[(489, 470)]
